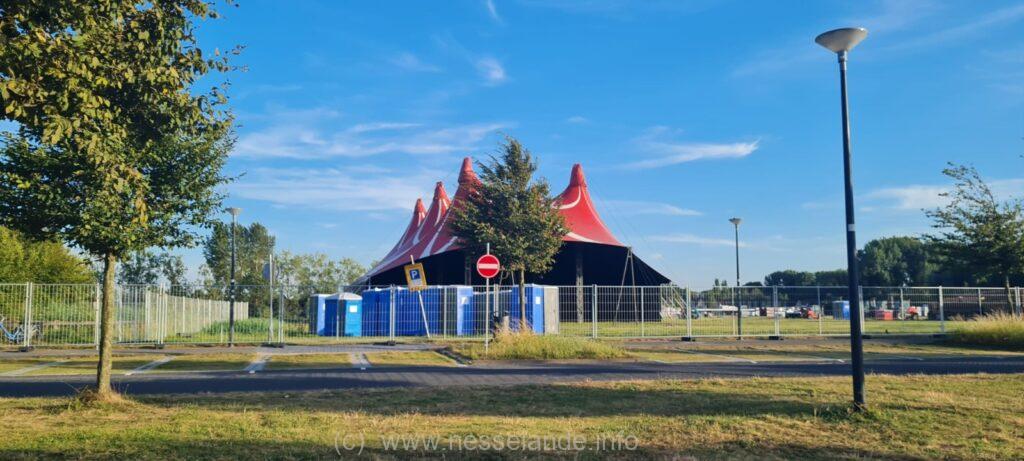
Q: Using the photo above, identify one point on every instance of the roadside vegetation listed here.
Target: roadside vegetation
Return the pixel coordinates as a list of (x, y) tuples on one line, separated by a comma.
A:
[(997, 330), (764, 418), (535, 347)]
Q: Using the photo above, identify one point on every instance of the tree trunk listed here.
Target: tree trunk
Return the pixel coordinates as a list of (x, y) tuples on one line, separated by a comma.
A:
[(523, 324), (105, 364)]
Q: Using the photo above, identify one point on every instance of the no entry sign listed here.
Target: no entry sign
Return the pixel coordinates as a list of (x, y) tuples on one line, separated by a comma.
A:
[(488, 266)]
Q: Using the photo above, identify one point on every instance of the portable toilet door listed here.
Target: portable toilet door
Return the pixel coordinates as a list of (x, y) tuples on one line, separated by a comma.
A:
[(317, 315), (350, 311), (332, 315)]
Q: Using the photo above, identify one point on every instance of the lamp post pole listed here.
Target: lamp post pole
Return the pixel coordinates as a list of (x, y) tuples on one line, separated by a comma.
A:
[(739, 311), (841, 41), (231, 303)]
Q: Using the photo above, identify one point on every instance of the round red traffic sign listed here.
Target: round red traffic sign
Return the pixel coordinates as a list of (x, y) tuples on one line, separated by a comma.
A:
[(488, 266)]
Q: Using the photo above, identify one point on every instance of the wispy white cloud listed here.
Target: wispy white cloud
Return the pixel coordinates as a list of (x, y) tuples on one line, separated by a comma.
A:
[(982, 24), (913, 197), (305, 141), (336, 189), (690, 239), (916, 197), (491, 70), (636, 207), (577, 119), (410, 62), (493, 11), (669, 152)]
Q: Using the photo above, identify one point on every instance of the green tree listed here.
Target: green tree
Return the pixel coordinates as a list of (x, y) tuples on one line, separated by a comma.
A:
[(115, 151), (148, 268), (894, 261), (24, 260), (513, 212), (977, 231), (253, 247), (832, 278), (789, 278)]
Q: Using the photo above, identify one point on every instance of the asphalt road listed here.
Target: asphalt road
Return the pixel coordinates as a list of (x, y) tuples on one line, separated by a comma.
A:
[(490, 375)]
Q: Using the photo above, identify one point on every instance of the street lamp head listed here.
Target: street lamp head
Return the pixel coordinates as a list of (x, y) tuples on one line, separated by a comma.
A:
[(735, 221), (234, 211), (842, 40)]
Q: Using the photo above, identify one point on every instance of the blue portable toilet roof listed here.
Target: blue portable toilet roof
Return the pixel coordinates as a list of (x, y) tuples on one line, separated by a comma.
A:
[(350, 297)]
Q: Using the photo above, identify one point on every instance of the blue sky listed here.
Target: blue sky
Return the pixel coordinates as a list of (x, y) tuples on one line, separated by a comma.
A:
[(683, 115)]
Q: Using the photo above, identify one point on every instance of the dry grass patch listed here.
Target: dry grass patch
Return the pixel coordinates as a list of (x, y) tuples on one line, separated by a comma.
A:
[(421, 358), (293, 361), (912, 417)]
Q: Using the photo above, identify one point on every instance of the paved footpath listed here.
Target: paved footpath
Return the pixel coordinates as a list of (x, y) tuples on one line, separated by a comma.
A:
[(489, 375)]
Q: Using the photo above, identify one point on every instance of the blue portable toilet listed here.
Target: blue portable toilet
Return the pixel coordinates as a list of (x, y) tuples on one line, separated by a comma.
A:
[(350, 311), (317, 308), (534, 307), (330, 314), (841, 310)]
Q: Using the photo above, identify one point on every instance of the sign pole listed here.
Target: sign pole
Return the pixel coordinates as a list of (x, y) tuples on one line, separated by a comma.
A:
[(423, 309), (487, 310)]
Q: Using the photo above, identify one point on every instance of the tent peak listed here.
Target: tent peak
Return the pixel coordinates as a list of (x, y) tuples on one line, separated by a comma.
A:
[(466, 173), (577, 178), (419, 208)]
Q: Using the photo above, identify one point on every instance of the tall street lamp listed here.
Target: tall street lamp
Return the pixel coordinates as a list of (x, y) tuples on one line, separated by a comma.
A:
[(739, 312), (841, 41), (231, 313)]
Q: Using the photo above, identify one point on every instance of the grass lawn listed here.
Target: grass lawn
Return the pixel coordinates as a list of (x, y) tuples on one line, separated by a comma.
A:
[(754, 326), (79, 365), (915, 417), (534, 347), (430, 358), (298, 361), (207, 362)]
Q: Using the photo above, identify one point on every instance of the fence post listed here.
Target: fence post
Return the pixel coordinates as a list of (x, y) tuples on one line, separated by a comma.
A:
[(860, 294), (942, 312), (689, 314), (981, 311), (593, 313), (775, 304), (391, 315), (27, 328), (96, 319), (642, 330), (821, 312)]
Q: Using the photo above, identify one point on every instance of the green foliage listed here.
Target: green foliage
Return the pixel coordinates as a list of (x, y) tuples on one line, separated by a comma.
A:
[(24, 260), (253, 247), (316, 271), (977, 232), (895, 261), (511, 211), (790, 278), (145, 267)]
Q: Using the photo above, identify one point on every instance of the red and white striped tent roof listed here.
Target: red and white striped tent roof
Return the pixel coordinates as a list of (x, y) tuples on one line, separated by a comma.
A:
[(428, 234)]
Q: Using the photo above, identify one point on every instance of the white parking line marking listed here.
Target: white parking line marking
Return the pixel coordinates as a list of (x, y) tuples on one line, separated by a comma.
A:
[(150, 366), (258, 364), (22, 371), (359, 360)]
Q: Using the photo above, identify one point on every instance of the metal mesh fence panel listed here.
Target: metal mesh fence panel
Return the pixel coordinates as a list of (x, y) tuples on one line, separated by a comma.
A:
[(68, 314)]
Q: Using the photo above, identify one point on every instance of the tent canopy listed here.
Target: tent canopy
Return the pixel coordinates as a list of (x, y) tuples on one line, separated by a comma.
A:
[(591, 254)]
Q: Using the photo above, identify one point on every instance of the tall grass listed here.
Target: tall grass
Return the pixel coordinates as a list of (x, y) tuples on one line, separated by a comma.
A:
[(998, 330), (526, 346)]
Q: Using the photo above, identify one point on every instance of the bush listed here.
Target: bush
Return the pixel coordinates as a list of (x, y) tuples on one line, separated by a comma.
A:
[(999, 330), (528, 346)]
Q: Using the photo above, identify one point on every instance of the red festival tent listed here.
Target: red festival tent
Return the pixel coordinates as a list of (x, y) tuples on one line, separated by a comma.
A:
[(590, 254)]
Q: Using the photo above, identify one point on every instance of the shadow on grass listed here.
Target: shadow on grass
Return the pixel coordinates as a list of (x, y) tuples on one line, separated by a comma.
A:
[(247, 449), (524, 401)]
